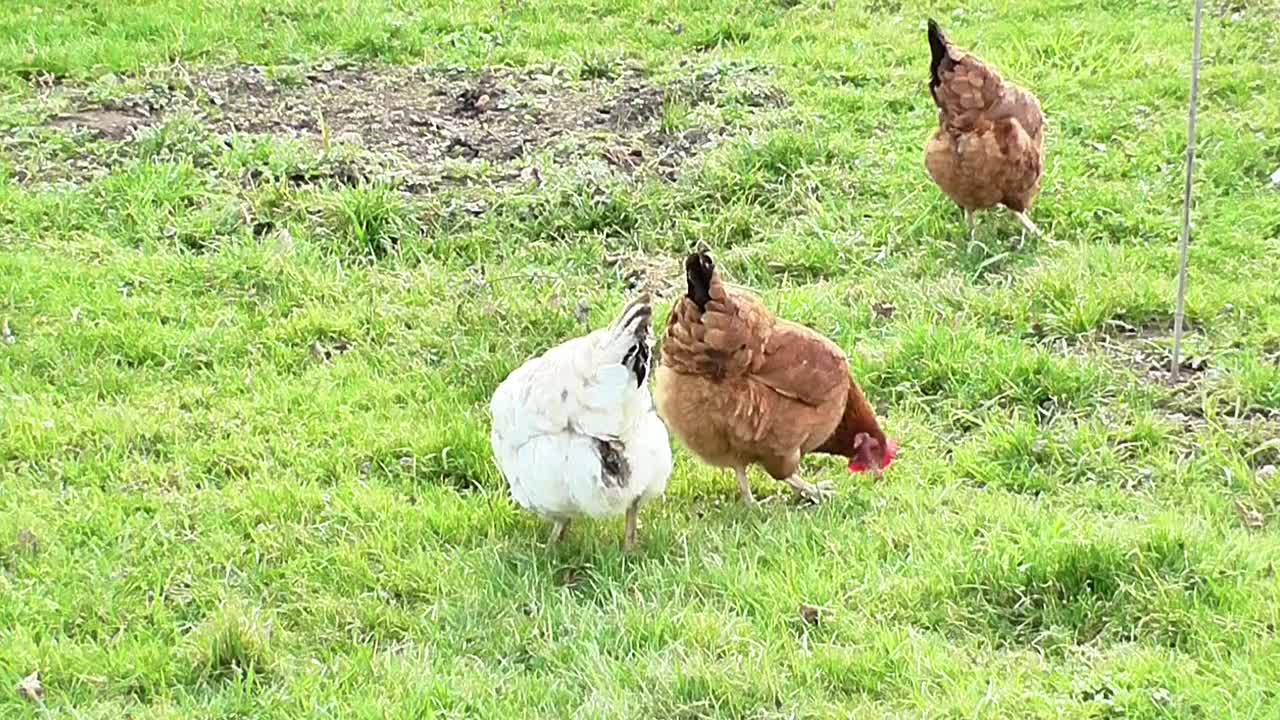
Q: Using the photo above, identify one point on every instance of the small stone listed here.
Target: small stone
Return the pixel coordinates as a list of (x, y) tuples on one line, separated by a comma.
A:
[(1266, 473), (6, 333)]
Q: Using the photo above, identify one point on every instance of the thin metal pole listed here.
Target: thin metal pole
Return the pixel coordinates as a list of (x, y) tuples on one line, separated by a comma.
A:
[(1178, 314)]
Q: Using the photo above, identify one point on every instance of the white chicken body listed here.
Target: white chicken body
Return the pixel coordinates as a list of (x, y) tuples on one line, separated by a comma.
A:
[(574, 430)]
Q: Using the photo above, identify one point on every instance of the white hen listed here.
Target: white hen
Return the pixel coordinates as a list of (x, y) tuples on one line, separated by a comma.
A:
[(575, 432)]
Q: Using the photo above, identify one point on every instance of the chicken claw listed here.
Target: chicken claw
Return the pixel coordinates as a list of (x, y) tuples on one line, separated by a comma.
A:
[(814, 493)]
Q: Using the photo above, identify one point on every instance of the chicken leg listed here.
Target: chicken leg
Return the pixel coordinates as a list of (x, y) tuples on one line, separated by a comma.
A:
[(971, 219), (813, 493), (559, 528), (744, 487), (629, 535)]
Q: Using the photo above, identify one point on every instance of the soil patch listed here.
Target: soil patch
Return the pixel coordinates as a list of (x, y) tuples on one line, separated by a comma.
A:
[(107, 123), (444, 127), (443, 122), (1148, 351), (653, 273)]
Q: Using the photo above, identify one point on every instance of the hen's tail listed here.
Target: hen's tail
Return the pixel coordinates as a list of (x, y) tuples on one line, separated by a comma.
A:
[(699, 271), (938, 47), (631, 337)]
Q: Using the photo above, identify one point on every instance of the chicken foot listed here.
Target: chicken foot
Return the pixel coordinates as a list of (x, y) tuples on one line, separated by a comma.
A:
[(1026, 225), (814, 493), (971, 219)]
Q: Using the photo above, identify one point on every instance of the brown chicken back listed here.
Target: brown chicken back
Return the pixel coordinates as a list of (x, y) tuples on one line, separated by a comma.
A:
[(989, 146), (739, 387)]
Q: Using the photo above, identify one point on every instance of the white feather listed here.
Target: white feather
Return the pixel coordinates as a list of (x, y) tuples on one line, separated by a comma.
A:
[(549, 417)]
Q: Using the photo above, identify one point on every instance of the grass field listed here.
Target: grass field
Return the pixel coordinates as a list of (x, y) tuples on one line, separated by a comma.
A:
[(263, 262)]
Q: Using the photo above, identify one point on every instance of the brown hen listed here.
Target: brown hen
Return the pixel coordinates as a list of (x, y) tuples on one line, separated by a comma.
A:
[(739, 386), (989, 147)]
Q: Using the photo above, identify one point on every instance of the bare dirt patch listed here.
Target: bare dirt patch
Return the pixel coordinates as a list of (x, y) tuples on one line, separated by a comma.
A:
[(442, 127), (435, 119), (1148, 351), (107, 123), (647, 272)]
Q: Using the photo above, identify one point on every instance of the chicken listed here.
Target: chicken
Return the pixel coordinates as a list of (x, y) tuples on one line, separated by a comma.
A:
[(989, 147), (574, 430), (739, 387)]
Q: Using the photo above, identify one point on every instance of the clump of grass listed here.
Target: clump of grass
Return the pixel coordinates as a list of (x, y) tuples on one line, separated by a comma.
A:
[(182, 138), (598, 65), (369, 222), (212, 226), (232, 643), (675, 117)]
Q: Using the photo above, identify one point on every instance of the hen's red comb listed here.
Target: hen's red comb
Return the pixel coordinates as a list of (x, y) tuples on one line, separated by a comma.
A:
[(890, 453)]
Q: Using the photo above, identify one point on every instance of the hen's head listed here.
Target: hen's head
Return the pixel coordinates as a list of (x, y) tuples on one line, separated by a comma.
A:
[(872, 454)]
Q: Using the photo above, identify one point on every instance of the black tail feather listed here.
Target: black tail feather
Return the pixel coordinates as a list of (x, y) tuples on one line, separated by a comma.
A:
[(698, 270), (637, 320), (938, 47), (637, 360)]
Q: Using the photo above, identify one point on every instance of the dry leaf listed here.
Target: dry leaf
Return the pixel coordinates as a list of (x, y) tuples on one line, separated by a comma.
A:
[(810, 614), (583, 313), (31, 689), (1252, 518)]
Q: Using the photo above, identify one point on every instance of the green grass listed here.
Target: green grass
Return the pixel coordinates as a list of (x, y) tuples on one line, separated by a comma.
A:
[(244, 467)]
